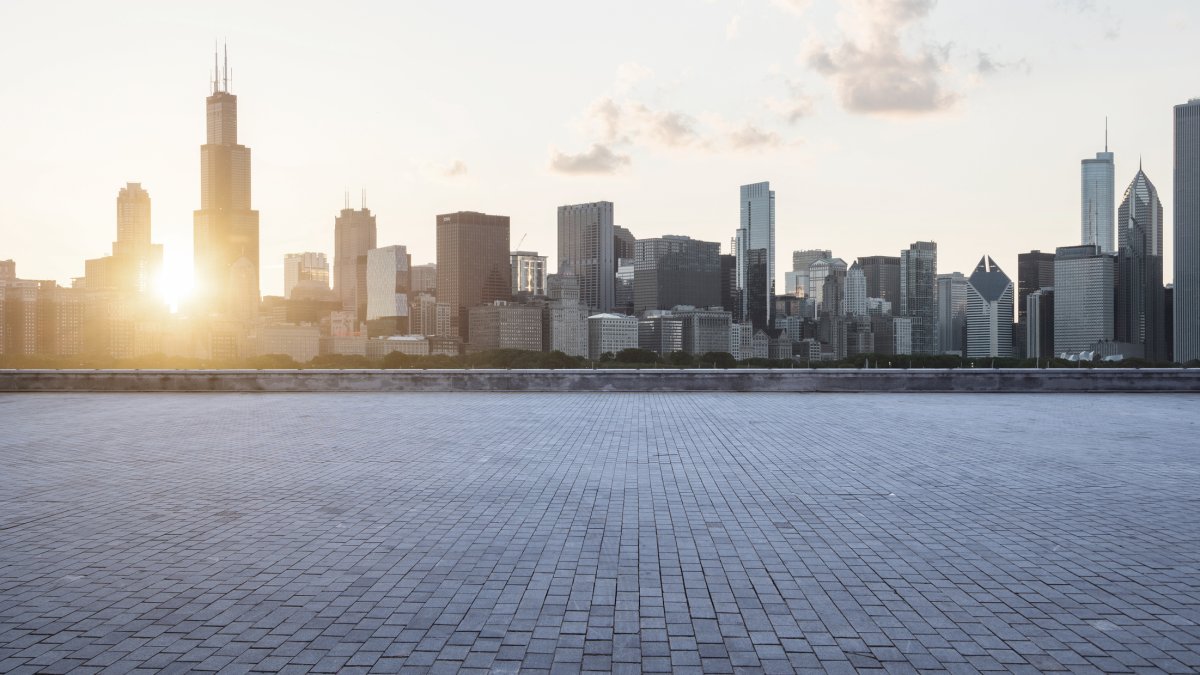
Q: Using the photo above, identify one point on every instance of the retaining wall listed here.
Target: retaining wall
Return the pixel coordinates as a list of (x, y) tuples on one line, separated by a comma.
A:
[(747, 380)]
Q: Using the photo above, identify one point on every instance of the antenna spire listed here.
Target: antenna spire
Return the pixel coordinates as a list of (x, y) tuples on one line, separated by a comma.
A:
[(225, 77), (364, 199), (1106, 133), (216, 82)]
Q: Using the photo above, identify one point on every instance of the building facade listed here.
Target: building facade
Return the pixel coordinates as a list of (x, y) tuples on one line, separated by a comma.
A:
[(1035, 271), (310, 268), (610, 333), (472, 264), (755, 250), (1039, 323), (225, 228), (675, 270), (883, 277), (506, 325), (586, 242), (1186, 292), (1140, 304), (1083, 298), (1098, 201), (918, 295), (952, 313), (528, 273), (989, 311), (388, 288), (354, 233)]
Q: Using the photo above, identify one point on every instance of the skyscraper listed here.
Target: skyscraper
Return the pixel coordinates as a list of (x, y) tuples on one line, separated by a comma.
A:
[(1139, 311), (354, 233), (989, 311), (1083, 298), (801, 261), (388, 285), (1186, 317), (139, 262), (755, 250), (952, 312), (675, 270), (225, 227), (473, 266), (1098, 199), (856, 291), (1035, 271), (528, 272), (883, 277), (586, 240), (918, 294)]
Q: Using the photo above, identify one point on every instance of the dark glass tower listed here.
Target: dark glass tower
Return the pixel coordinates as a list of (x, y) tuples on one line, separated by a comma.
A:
[(225, 227), (1139, 315)]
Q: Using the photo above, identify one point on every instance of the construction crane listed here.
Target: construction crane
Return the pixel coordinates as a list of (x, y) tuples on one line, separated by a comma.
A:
[(518, 247)]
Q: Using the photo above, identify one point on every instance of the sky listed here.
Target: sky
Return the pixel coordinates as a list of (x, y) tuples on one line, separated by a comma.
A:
[(877, 122)]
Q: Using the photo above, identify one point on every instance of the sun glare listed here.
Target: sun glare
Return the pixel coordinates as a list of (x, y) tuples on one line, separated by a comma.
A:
[(175, 285)]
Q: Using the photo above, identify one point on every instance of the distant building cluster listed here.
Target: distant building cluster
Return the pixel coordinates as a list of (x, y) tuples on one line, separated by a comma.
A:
[(611, 291)]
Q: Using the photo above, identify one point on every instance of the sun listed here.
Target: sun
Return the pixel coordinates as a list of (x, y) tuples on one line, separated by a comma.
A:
[(174, 284)]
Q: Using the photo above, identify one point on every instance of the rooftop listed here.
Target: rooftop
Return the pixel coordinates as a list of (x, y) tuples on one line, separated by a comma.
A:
[(652, 532)]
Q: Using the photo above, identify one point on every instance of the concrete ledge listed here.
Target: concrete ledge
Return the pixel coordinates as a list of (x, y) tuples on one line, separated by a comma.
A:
[(664, 380)]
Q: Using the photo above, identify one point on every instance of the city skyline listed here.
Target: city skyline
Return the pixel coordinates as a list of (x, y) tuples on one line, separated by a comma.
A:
[(297, 205)]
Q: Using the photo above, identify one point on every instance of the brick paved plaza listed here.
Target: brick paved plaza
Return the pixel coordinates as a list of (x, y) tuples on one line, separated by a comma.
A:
[(624, 532)]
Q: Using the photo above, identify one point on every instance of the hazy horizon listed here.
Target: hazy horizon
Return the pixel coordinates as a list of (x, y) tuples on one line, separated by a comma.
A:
[(877, 123)]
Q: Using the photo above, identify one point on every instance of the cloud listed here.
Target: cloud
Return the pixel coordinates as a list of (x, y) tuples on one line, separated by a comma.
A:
[(987, 66), (751, 137), (873, 70), (1110, 24), (794, 6), (733, 30), (795, 107), (599, 160), (629, 75), (457, 168)]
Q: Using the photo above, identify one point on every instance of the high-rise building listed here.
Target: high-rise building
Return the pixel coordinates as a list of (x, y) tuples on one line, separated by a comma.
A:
[(1039, 324), (623, 243), (952, 313), (1139, 310), (818, 272), (567, 319), (856, 291), (1098, 200), (225, 227), (661, 333), (354, 233), (1083, 298), (528, 272), (8, 270), (311, 269), (676, 270), (1186, 315), (586, 241), (801, 262), (883, 277), (388, 286), (918, 294), (704, 329), (424, 278), (138, 261), (755, 250), (989, 311), (1035, 271), (472, 264), (730, 295)]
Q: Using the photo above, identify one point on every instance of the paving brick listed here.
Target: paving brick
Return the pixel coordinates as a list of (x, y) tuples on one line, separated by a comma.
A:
[(607, 532)]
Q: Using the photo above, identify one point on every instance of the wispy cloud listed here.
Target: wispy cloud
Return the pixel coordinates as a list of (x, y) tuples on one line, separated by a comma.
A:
[(455, 169), (875, 72), (599, 160), (794, 6)]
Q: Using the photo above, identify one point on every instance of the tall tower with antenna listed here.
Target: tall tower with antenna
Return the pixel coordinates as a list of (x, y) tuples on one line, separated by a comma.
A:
[(225, 228), (1098, 199)]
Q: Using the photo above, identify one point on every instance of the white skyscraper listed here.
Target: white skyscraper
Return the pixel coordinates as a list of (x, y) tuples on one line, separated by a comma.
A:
[(304, 267), (989, 311), (387, 283), (1187, 231), (755, 251), (1098, 203)]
